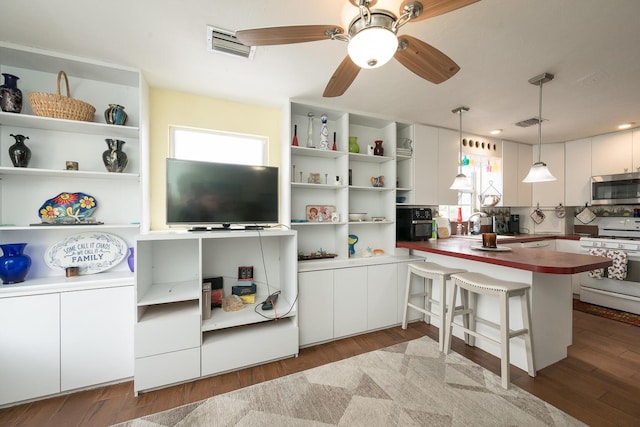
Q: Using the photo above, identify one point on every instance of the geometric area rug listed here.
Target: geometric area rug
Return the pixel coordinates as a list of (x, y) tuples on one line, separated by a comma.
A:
[(407, 384)]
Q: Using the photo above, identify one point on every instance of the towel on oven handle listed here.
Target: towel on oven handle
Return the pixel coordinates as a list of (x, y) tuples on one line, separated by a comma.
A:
[(617, 271), (598, 273)]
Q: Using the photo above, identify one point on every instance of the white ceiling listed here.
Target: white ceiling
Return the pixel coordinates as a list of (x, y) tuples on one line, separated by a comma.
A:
[(590, 45)]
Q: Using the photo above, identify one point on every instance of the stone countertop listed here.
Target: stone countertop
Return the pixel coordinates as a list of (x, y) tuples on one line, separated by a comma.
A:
[(530, 259)]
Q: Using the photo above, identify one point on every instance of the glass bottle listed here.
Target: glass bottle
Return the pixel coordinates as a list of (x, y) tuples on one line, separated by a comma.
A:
[(310, 143)]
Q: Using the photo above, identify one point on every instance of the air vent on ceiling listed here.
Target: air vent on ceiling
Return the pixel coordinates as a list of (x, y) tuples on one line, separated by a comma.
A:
[(225, 41), (529, 122)]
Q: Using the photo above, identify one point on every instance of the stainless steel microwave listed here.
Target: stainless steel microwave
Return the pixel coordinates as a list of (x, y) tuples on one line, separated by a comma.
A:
[(620, 189)]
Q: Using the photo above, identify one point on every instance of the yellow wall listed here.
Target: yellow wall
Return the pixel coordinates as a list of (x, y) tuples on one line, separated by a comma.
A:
[(170, 108)]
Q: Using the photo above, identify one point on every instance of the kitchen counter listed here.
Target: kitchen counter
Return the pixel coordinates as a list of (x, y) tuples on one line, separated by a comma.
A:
[(530, 259), (549, 273)]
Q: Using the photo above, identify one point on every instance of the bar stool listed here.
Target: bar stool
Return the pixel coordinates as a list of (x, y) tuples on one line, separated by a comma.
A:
[(429, 271), (473, 284)]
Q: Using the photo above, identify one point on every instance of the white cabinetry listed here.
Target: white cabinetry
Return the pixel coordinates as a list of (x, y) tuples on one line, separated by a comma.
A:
[(612, 153), (351, 300), (29, 347), (405, 183), (448, 162), (353, 192), (169, 327), (516, 162), (578, 172), (93, 313), (426, 171), (551, 193)]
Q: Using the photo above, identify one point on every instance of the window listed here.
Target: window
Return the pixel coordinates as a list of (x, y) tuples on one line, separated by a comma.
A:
[(216, 146)]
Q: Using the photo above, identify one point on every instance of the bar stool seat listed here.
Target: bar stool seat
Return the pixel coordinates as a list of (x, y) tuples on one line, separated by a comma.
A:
[(473, 284), (429, 271)]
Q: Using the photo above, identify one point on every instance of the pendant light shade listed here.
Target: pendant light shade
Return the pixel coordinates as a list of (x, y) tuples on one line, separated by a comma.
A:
[(462, 182), (539, 171)]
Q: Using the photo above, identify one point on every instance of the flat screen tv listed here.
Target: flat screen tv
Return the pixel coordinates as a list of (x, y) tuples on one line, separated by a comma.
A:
[(200, 194)]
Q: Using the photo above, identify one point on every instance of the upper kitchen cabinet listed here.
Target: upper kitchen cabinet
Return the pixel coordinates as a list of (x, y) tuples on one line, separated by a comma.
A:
[(516, 162), (448, 162), (577, 172), (613, 153), (551, 194), (636, 150), (426, 172)]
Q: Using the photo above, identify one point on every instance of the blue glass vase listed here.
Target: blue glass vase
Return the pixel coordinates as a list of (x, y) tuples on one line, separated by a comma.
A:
[(131, 259), (14, 264)]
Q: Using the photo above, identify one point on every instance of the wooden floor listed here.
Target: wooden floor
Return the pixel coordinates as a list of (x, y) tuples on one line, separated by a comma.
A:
[(599, 383)]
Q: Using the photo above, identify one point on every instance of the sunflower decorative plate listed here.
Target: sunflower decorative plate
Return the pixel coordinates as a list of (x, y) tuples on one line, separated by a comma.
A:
[(68, 208)]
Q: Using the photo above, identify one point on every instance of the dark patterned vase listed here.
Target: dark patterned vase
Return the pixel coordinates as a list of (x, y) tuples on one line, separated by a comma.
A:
[(14, 264), (19, 153), (379, 149), (115, 115), (115, 160), (10, 95)]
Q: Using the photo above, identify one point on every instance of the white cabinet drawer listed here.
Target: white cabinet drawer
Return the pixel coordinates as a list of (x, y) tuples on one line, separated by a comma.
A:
[(168, 368), (249, 345), (168, 327)]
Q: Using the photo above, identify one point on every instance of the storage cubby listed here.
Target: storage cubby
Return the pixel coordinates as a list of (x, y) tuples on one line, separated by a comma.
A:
[(169, 275)]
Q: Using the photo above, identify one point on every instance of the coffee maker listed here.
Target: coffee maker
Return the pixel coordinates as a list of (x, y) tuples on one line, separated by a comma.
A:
[(514, 224)]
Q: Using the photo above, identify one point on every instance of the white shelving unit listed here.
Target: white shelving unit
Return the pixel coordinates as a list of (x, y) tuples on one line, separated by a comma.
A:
[(170, 270), (121, 210)]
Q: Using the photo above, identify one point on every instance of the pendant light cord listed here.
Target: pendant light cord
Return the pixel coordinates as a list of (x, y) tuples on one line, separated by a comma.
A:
[(540, 125), (460, 144)]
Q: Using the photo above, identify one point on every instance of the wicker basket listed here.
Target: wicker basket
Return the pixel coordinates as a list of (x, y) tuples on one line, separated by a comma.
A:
[(60, 106)]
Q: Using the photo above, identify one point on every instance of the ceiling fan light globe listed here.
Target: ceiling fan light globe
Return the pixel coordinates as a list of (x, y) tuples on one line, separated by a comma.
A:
[(539, 172), (372, 47)]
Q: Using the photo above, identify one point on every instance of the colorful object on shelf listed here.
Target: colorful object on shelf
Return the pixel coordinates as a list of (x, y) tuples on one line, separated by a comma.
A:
[(379, 149), (10, 95), (131, 259), (319, 213), (68, 208), (353, 144), (114, 159), (14, 264), (90, 252), (115, 115), (295, 136), (353, 239), (377, 181), (19, 153)]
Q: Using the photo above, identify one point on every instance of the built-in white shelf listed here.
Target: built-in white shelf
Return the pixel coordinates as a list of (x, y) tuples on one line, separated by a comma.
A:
[(161, 293)]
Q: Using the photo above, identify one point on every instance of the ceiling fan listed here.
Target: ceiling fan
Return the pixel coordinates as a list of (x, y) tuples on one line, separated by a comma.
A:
[(372, 41)]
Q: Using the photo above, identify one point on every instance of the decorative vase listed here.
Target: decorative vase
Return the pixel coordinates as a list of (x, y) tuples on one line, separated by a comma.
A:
[(353, 144), (131, 259), (378, 150), (295, 136), (115, 160), (10, 95), (14, 264), (19, 153), (115, 115)]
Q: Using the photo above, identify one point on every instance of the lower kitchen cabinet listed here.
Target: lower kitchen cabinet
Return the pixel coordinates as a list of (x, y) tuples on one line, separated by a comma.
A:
[(61, 341), (96, 336), (340, 302), (29, 347)]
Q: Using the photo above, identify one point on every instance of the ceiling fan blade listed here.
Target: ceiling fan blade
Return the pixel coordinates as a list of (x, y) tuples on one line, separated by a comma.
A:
[(431, 8), (287, 35), (425, 60), (342, 78)]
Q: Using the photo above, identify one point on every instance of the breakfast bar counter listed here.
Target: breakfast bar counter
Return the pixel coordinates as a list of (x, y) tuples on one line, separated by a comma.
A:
[(548, 272)]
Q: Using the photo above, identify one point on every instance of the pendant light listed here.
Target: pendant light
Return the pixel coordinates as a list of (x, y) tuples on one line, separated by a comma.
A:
[(539, 171), (461, 183)]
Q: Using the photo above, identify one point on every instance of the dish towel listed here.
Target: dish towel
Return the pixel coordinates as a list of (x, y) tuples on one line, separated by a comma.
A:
[(598, 273), (618, 270)]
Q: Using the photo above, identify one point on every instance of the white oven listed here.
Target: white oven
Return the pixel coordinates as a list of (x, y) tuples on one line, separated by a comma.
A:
[(614, 234)]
